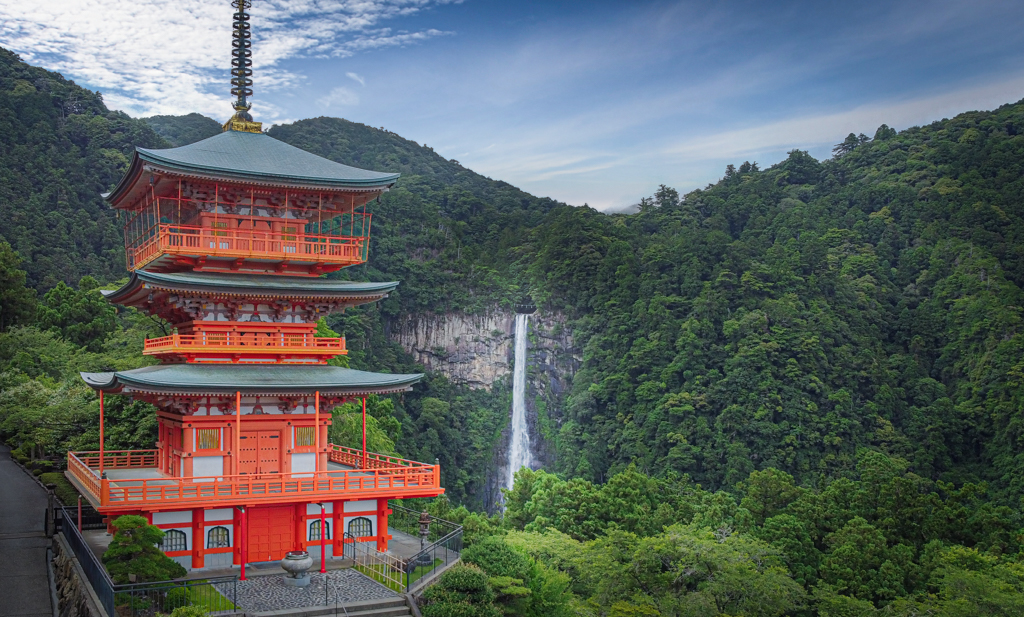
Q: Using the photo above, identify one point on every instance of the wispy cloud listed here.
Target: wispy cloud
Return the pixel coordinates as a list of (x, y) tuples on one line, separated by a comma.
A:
[(151, 57), (356, 77), (338, 97)]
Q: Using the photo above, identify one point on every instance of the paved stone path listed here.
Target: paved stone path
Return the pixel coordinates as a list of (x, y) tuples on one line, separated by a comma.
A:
[(269, 593), (24, 588)]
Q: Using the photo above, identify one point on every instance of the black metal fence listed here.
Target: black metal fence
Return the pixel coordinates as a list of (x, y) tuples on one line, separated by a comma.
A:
[(213, 595), (408, 521), (444, 548)]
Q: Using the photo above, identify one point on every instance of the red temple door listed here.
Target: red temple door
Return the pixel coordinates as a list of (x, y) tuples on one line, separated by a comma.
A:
[(270, 452), (260, 453), (248, 453), (271, 532)]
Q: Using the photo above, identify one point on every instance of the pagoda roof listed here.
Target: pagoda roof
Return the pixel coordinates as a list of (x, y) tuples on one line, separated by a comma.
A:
[(252, 157), (249, 286), (262, 379)]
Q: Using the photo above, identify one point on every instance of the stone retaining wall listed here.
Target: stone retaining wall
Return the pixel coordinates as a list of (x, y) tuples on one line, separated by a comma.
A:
[(75, 598)]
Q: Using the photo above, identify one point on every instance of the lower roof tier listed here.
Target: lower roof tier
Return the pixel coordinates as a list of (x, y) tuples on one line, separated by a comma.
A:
[(198, 296), (250, 379)]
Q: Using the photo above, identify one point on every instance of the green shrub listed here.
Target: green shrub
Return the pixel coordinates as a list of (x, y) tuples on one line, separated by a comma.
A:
[(65, 491), (497, 557), (176, 598), (37, 472), (188, 611), (462, 591), (133, 551)]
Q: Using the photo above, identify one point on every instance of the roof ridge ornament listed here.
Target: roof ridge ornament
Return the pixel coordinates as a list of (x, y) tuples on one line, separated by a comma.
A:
[(241, 71)]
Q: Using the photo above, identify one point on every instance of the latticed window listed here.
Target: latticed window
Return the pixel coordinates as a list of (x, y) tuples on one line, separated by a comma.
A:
[(314, 530), (218, 537), (174, 540), (208, 439), (360, 527), (305, 435)]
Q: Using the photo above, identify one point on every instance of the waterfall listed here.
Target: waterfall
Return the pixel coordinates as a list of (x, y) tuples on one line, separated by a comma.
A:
[(519, 454)]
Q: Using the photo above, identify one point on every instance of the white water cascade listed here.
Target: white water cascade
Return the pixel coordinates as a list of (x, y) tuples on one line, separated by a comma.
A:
[(519, 454)]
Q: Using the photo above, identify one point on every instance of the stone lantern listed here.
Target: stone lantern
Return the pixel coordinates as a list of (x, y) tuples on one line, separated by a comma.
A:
[(424, 558)]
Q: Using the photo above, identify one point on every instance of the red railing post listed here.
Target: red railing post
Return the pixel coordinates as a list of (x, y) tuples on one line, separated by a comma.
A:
[(79, 514), (323, 541)]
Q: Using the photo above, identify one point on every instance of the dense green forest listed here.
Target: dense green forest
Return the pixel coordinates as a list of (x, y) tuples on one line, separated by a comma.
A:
[(800, 391)]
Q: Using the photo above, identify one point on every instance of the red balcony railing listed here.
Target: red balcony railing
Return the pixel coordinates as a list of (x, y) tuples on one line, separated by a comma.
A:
[(246, 342), (194, 241), (389, 477)]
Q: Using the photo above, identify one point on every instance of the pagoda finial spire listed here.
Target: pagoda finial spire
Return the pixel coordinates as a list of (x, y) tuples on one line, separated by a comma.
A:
[(241, 71)]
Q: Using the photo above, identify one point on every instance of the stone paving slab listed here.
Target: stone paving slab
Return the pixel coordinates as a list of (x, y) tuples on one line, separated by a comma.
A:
[(269, 593)]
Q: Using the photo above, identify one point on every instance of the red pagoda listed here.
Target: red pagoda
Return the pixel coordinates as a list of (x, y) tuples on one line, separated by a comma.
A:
[(226, 239)]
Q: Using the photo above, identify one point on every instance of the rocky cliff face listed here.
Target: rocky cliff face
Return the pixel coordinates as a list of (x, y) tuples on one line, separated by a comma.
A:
[(477, 351), (473, 350)]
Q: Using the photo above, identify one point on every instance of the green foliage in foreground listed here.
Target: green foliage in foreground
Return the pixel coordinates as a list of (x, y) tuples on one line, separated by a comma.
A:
[(133, 551), (885, 542)]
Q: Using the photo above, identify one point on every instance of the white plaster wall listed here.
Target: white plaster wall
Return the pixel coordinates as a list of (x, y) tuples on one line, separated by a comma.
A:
[(313, 508), (207, 466), (168, 518), (366, 505), (220, 514), (304, 463)]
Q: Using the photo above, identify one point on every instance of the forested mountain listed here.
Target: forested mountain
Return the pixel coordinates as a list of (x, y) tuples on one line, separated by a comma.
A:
[(183, 130), (806, 379), (60, 148)]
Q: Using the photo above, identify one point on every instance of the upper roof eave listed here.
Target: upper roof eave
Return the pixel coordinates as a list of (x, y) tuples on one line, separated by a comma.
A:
[(250, 284), (252, 158)]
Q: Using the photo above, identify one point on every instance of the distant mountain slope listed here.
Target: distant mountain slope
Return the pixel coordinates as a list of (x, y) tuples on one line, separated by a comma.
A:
[(60, 147), (183, 130)]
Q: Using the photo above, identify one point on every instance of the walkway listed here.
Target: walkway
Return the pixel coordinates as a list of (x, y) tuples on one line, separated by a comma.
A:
[(24, 588)]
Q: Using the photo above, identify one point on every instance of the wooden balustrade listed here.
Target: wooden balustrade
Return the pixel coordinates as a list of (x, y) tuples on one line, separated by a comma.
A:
[(385, 476), (246, 341), (197, 241)]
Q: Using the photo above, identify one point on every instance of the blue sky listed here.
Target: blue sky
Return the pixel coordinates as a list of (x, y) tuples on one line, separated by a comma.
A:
[(585, 102)]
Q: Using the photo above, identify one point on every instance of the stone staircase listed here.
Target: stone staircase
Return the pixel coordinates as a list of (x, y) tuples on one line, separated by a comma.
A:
[(391, 607), (387, 607)]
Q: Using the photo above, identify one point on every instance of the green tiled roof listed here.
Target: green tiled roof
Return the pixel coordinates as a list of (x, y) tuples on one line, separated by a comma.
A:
[(251, 284), (255, 156), (251, 379)]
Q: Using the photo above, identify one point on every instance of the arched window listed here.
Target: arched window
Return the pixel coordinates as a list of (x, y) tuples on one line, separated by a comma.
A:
[(314, 530), (360, 527), (174, 540), (218, 537)]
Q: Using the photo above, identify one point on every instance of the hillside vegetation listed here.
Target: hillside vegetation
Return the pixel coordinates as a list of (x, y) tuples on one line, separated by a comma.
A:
[(800, 391)]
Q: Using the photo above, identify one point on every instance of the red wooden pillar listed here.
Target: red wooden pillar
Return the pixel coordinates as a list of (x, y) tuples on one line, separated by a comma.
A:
[(188, 447), (198, 538), (316, 433), (323, 539), (236, 537), (245, 540), (300, 527), (338, 525), (382, 525), (101, 434), (364, 432)]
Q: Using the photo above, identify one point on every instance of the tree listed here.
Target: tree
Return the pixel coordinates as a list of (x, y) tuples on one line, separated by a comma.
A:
[(17, 301), (133, 550), (82, 317), (847, 146)]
